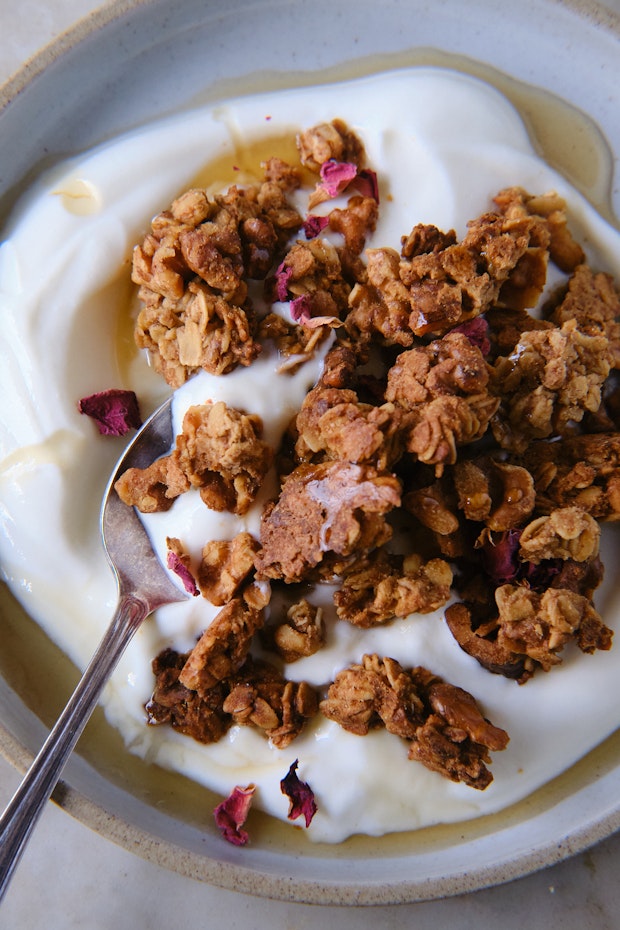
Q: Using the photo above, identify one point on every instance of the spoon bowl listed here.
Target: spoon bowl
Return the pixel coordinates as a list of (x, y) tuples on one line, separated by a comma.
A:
[(143, 586)]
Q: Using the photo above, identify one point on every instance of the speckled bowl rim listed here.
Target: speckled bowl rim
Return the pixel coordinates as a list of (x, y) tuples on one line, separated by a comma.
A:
[(238, 878)]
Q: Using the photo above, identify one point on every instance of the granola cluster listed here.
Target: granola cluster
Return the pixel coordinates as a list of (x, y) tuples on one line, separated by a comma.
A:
[(459, 450)]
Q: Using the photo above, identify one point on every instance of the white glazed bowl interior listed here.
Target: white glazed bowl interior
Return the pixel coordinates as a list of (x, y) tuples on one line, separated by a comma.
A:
[(135, 61)]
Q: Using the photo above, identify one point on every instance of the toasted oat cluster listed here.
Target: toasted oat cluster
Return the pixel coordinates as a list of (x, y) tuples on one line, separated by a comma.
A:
[(459, 450)]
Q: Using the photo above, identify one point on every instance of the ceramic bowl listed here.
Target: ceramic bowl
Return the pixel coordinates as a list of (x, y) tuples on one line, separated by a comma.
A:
[(135, 61)]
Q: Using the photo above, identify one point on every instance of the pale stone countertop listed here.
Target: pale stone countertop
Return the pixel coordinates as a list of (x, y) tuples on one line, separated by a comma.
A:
[(69, 877)]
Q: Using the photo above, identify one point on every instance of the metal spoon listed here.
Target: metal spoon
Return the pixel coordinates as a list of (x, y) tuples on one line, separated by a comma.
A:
[(143, 585)]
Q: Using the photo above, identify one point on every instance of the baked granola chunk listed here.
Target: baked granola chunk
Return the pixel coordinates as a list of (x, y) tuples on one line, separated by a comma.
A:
[(193, 267), (219, 452), (446, 729)]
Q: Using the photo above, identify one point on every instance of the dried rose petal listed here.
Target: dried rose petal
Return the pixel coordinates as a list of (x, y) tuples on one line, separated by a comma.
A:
[(336, 176), (300, 795), (477, 331), (367, 184), (301, 309), (283, 276), (301, 312), (176, 564), (115, 411), (500, 556), (539, 577), (313, 225), (232, 813)]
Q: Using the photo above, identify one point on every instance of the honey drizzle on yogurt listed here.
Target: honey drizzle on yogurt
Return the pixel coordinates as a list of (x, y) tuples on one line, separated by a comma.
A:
[(565, 137)]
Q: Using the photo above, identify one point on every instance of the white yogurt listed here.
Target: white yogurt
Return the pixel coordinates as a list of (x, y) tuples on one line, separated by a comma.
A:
[(443, 145)]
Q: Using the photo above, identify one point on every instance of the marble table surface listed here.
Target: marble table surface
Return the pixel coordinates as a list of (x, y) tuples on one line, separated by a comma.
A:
[(70, 877)]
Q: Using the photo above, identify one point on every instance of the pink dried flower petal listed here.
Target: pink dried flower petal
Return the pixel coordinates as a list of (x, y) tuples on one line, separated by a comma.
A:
[(300, 794), (176, 564), (540, 577), (283, 276), (500, 556), (232, 813), (115, 411), (367, 184), (336, 176), (301, 309), (301, 312), (477, 331), (314, 225)]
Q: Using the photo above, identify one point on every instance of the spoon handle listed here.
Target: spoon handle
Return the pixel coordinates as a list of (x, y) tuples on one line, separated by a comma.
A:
[(24, 809)]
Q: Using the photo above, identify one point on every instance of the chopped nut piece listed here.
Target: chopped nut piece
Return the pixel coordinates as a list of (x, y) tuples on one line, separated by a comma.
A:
[(223, 647), (302, 634), (355, 221), (497, 494), (260, 696), (225, 566), (482, 647)]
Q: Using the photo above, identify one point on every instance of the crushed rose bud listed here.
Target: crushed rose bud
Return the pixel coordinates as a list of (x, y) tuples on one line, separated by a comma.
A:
[(300, 795), (313, 225), (232, 813), (283, 276), (301, 309), (301, 312), (477, 331), (367, 184), (500, 556), (115, 411), (540, 577), (176, 564), (336, 176)]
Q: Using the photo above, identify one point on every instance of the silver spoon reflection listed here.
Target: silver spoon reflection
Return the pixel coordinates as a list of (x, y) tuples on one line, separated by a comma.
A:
[(143, 586)]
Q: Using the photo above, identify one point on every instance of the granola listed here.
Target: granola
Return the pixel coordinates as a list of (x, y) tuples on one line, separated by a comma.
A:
[(458, 450)]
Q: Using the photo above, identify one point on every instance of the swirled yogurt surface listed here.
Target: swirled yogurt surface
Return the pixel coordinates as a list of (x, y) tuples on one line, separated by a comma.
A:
[(443, 145)]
